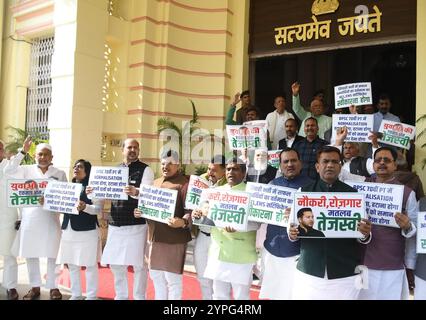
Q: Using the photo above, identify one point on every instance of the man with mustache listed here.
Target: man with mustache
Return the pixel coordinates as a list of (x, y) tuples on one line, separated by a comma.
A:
[(40, 230), (386, 256), (291, 129), (126, 234), (168, 242), (326, 266), (280, 254), (317, 110), (216, 176)]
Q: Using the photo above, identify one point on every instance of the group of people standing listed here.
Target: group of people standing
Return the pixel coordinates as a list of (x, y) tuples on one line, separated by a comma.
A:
[(372, 267)]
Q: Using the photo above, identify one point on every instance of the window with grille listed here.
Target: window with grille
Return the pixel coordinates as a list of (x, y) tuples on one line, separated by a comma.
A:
[(39, 96)]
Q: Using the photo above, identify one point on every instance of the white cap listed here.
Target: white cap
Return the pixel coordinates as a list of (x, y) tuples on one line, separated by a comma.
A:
[(42, 146)]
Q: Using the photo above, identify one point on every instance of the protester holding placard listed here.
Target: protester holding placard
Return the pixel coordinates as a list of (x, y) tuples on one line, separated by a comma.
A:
[(385, 255), (232, 254), (317, 110), (40, 231), (80, 243), (356, 164), (276, 121), (216, 176), (126, 239), (326, 266), (168, 242), (279, 254), (8, 220)]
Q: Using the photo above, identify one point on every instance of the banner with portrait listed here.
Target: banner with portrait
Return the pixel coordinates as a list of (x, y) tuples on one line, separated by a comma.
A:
[(332, 215), (226, 208)]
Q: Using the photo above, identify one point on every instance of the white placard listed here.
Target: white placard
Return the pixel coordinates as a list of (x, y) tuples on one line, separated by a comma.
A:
[(62, 197), (269, 202), (350, 94), (359, 126), (382, 201), (421, 232), (109, 182), (25, 193), (195, 187), (157, 204), (397, 134)]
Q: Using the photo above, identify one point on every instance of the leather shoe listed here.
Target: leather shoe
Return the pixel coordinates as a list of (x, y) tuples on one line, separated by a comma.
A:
[(12, 294), (55, 294), (33, 294)]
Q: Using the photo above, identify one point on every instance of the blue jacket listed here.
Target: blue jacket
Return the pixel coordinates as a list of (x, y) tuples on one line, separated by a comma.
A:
[(277, 242)]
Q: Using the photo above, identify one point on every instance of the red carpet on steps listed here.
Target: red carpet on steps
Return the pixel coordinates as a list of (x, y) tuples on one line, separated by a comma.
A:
[(191, 288)]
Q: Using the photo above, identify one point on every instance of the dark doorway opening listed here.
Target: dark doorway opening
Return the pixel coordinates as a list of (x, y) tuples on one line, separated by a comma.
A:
[(391, 69)]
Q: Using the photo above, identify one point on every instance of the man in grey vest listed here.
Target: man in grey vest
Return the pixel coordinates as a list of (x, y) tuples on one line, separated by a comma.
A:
[(385, 256)]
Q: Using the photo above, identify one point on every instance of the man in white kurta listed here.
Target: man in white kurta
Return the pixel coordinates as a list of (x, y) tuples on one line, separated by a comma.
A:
[(126, 235), (232, 255), (276, 121), (40, 232), (8, 218)]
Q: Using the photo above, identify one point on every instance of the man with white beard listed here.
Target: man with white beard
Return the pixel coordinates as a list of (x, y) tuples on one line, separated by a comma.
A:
[(40, 230)]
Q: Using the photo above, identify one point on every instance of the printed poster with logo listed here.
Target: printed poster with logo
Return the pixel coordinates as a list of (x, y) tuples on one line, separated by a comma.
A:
[(157, 204), (268, 203), (226, 208), (357, 94), (109, 182), (62, 197), (246, 137), (195, 187), (382, 201), (334, 215), (421, 232), (359, 126), (25, 193), (397, 134), (274, 158)]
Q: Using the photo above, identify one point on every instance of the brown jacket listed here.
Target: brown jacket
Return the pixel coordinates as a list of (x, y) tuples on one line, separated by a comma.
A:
[(161, 232)]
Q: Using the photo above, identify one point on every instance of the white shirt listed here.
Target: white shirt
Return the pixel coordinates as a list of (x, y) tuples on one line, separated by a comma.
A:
[(276, 126)]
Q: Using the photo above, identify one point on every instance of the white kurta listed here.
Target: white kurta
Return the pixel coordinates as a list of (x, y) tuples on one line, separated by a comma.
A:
[(276, 126), (308, 287), (40, 231), (81, 248), (420, 289), (386, 285), (8, 216), (125, 245), (278, 276)]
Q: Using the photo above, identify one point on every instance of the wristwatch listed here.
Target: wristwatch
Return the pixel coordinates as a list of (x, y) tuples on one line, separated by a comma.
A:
[(22, 151)]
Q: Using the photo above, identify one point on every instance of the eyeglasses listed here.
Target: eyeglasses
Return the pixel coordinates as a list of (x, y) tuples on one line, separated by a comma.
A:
[(384, 159)]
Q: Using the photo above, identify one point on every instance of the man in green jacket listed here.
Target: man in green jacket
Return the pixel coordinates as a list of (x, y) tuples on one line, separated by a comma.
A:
[(232, 254), (326, 267)]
